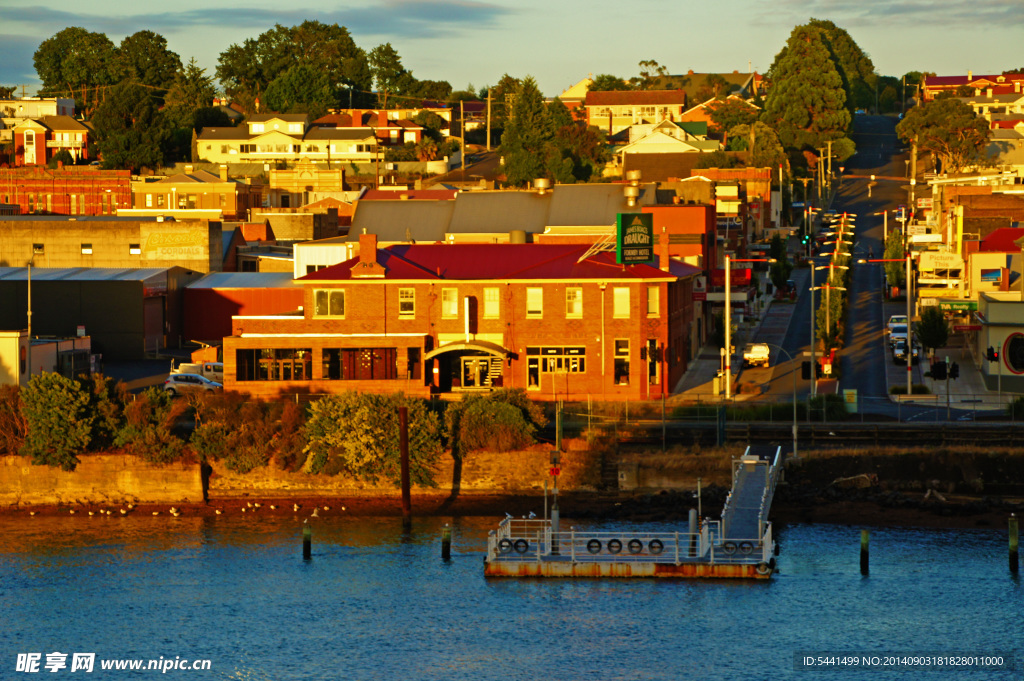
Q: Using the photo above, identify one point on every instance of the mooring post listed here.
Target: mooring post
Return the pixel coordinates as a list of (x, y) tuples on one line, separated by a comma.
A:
[(1014, 538), (403, 446), (864, 539), (307, 542), (693, 532), (446, 544)]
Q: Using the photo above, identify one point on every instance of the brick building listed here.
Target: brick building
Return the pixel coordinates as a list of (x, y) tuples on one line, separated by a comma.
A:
[(66, 190), (448, 318)]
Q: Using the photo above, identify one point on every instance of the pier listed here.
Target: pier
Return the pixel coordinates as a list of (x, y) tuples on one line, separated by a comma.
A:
[(738, 546)]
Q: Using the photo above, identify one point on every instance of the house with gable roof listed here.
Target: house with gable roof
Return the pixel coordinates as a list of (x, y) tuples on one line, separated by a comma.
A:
[(270, 138), (616, 110), (36, 141)]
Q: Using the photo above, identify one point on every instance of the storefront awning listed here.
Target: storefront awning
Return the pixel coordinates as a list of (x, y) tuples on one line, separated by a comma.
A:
[(478, 345)]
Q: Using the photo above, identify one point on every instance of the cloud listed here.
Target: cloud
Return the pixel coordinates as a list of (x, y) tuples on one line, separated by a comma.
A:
[(399, 18), (913, 13), (16, 60)]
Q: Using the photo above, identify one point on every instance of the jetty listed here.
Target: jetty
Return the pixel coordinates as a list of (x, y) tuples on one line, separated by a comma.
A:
[(737, 546)]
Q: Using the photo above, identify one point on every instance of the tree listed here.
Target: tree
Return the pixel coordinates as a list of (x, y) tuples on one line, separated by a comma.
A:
[(502, 99), (143, 58), (61, 157), (807, 102), (762, 143), (148, 427), (651, 75), (894, 251), (426, 150), (13, 425), (435, 90), (58, 421), (715, 86), (718, 159), (76, 63), (933, 329), (726, 114), (604, 82), (301, 89), (130, 130), (389, 76), (192, 89), (526, 136), (949, 130), (855, 66), (432, 124)]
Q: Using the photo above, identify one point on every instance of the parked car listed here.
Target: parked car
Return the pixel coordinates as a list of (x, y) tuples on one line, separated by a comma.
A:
[(756, 353), (177, 384), (211, 370), (897, 333), (896, 319), (899, 353)]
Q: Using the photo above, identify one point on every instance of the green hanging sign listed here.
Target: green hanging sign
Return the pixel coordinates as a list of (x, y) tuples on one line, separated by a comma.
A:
[(634, 239)]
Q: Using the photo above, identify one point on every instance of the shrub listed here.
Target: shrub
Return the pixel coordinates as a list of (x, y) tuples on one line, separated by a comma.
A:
[(246, 434), (148, 427), (58, 422), (12, 421)]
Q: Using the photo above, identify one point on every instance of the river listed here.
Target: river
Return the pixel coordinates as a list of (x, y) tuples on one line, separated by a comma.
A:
[(378, 603)]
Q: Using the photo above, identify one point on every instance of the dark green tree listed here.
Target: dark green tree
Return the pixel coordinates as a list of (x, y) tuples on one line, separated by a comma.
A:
[(389, 76), (894, 271), (76, 63), (807, 102), (143, 58), (433, 90), (503, 97), (148, 429), (948, 129), (130, 130), (301, 89), (58, 420), (855, 66), (933, 329), (525, 141), (762, 142), (718, 159), (715, 86), (604, 82), (192, 89), (61, 157), (726, 114)]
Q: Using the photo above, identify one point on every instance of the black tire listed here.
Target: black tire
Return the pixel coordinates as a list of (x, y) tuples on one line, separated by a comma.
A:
[(594, 546), (655, 547), (521, 546), (505, 546), (763, 569), (635, 546), (729, 548), (614, 546), (746, 547), (171, 391)]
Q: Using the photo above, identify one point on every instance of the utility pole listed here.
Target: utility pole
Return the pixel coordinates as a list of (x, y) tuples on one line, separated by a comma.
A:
[(488, 119)]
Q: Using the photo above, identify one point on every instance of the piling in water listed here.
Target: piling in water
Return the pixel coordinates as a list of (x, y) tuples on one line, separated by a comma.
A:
[(864, 539), (1014, 539), (307, 542), (446, 544), (403, 446)]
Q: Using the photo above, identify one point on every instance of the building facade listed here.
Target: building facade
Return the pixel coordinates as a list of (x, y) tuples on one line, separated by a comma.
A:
[(68, 190)]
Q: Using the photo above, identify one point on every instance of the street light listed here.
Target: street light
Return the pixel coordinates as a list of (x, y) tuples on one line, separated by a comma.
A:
[(910, 327), (728, 317)]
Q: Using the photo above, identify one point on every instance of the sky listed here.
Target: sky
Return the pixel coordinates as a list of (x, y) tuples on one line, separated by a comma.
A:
[(558, 42)]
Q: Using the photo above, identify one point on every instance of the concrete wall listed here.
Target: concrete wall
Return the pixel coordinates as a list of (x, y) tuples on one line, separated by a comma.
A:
[(99, 478)]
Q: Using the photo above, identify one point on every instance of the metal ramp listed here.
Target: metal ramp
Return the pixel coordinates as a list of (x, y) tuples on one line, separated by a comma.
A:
[(754, 478)]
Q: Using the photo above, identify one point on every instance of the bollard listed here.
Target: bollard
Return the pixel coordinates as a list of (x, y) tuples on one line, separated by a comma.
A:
[(307, 542), (864, 539), (1014, 538), (446, 544), (693, 531)]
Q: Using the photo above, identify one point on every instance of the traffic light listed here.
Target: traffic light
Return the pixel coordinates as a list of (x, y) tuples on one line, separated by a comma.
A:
[(992, 354), (805, 371), (954, 371), (939, 371)]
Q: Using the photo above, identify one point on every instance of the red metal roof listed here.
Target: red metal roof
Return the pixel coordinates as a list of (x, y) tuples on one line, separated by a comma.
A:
[(453, 262), (409, 194), (1002, 240)]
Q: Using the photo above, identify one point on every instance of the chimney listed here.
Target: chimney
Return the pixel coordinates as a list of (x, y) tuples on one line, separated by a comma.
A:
[(1016, 86), (223, 172), (368, 266), (382, 119), (970, 76), (663, 259), (189, 169), (357, 118)]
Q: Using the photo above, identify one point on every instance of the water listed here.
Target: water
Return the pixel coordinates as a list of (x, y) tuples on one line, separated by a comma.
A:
[(375, 603)]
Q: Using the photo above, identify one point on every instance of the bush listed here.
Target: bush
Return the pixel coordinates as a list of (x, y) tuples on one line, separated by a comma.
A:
[(503, 421), (58, 422), (246, 434), (1016, 409), (148, 427), (12, 421)]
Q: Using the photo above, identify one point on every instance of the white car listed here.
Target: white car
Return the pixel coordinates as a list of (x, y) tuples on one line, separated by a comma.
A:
[(182, 383), (896, 319)]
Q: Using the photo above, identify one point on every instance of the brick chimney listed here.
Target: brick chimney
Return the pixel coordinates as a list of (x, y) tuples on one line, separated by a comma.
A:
[(382, 119), (368, 266), (357, 118), (663, 259), (223, 172)]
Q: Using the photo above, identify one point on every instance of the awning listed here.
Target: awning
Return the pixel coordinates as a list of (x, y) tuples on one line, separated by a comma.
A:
[(479, 345)]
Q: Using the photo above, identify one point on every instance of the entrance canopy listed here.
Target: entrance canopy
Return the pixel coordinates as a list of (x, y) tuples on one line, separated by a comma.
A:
[(478, 345)]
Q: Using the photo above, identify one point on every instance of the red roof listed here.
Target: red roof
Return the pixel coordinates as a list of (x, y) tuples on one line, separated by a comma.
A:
[(620, 97), (1002, 240), (1008, 124), (454, 262), (409, 194)]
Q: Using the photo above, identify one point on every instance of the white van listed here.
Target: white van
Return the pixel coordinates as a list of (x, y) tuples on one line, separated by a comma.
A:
[(211, 370)]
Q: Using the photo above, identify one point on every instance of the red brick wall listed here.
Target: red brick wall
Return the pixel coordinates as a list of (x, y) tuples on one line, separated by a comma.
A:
[(96, 192)]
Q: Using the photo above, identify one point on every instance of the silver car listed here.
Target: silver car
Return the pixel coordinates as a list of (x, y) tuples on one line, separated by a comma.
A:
[(182, 383)]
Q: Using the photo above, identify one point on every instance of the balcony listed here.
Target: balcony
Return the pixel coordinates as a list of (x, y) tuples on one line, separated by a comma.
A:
[(64, 144)]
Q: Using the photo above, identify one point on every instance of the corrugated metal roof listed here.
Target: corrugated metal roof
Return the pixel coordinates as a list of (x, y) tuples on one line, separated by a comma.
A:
[(594, 204), (222, 280), (494, 262), (82, 273), (402, 220), (500, 212)]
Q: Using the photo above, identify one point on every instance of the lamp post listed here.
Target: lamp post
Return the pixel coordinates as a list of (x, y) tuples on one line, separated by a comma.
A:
[(910, 326), (728, 317)]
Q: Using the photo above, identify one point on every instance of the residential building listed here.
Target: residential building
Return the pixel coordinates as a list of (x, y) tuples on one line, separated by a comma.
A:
[(194, 194), (210, 302), (35, 107), (37, 141), (65, 190), (274, 138), (932, 86), (616, 110), (554, 319)]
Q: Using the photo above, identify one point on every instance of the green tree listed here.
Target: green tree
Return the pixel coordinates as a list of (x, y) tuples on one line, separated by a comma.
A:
[(192, 89), (857, 70), (389, 76), (524, 143), (130, 130), (715, 86), (718, 159), (143, 58), (63, 156), (301, 89), (933, 329), (894, 271), (481, 423), (949, 130), (605, 82), (148, 429), (58, 421), (807, 101), (726, 114), (762, 142), (76, 63), (434, 90)]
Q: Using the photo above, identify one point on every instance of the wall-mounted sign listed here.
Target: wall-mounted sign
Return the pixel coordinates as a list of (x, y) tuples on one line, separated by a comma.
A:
[(635, 242)]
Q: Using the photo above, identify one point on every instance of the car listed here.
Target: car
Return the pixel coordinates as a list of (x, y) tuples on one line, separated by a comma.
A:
[(894, 320), (899, 353), (177, 384), (756, 353), (897, 333)]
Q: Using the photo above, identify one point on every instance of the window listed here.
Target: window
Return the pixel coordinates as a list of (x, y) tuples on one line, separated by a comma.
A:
[(328, 302), (492, 308), (653, 361), (534, 302), (449, 302), (257, 127), (574, 302), (653, 299), (134, 249), (274, 364), (360, 364), (149, 200), (557, 359), (620, 303), (38, 249), (86, 249), (622, 362), (295, 127), (160, 201), (406, 302)]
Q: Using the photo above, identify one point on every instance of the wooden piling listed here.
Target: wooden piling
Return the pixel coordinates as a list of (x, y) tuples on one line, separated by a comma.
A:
[(403, 444), (307, 542), (1014, 538), (446, 544), (864, 539)]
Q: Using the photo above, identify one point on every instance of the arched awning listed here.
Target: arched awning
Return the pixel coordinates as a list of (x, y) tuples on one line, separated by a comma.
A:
[(478, 345)]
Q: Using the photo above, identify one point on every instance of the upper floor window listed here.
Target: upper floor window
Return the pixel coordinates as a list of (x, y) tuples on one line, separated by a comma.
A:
[(492, 308), (406, 302), (450, 302), (328, 302), (257, 127), (620, 302), (534, 302), (86, 249), (574, 302), (653, 300)]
